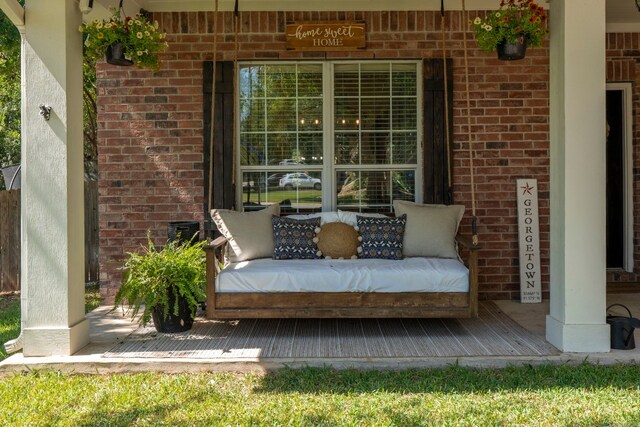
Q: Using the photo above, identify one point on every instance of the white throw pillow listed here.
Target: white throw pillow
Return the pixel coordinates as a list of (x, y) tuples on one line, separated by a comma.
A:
[(325, 217), (431, 229), (351, 218), (250, 234)]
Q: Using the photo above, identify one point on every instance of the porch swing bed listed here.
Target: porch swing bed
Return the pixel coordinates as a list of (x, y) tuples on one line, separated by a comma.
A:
[(240, 290), (244, 281)]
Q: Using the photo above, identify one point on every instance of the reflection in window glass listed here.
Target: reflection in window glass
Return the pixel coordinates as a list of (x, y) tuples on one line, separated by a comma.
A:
[(294, 191), (283, 105), (373, 191), (373, 136)]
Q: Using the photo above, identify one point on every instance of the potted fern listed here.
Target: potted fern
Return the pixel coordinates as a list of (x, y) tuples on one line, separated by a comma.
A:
[(167, 284)]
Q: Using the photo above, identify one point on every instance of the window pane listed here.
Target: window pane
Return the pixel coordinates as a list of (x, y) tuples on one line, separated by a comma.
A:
[(294, 191), (347, 148), (254, 190), (281, 81), (346, 80), (403, 185), (405, 113), (310, 148), (278, 103), (375, 148), (377, 124), (310, 114), (347, 113), (310, 80), (376, 113), (403, 80), (375, 80), (365, 190), (281, 115), (281, 146), (252, 115), (252, 82), (252, 149), (404, 148)]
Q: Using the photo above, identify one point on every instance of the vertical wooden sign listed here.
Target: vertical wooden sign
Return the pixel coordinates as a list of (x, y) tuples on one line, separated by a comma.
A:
[(529, 241)]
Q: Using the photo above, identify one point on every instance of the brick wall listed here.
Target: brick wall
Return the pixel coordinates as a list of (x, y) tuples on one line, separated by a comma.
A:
[(151, 137)]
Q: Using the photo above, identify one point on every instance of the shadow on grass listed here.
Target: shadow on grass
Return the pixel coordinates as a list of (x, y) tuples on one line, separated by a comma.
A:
[(454, 379)]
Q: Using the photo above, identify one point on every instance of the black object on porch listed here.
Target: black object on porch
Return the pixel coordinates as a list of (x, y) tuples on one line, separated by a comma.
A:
[(182, 231)]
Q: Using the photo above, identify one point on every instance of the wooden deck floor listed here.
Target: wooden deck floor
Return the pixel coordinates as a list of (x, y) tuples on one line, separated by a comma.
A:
[(492, 334)]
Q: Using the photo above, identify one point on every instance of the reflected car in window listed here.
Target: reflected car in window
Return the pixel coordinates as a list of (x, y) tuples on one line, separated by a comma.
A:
[(273, 180), (299, 180), (291, 162)]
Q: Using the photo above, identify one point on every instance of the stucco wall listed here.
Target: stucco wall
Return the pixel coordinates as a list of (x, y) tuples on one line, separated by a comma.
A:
[(151, 136)]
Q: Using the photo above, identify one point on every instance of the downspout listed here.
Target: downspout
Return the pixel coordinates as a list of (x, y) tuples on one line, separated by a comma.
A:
[(18, 343)]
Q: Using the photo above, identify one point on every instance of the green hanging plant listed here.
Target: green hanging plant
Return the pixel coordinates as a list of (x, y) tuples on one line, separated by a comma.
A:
[(514, 19), (140, 38)]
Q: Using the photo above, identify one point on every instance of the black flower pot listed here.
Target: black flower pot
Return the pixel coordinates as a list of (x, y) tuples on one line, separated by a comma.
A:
[(511, 51), (172, 323), (116, 55)]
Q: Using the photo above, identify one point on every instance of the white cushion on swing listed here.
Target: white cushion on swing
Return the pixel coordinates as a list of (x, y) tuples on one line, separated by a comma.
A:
[(338, 275), (431, 229)]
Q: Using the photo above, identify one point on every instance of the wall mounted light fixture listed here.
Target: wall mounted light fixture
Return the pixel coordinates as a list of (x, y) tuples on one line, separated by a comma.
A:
[(638, 5)]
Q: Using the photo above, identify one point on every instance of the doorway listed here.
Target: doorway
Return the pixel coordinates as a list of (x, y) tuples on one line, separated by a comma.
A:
[(619, 183)]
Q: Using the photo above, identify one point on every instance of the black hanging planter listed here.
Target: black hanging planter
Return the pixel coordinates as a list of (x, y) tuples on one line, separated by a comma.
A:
[(172, 323), (115, 55), (511, 51)]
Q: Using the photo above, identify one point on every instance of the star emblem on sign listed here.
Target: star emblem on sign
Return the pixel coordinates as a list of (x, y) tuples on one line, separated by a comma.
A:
[(526, 189)]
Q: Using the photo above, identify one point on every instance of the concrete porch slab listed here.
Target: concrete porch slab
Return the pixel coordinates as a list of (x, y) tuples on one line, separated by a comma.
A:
[(108, 328)]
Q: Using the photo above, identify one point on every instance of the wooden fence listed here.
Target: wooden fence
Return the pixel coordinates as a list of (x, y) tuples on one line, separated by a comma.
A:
[(10, 237), (9, 241)]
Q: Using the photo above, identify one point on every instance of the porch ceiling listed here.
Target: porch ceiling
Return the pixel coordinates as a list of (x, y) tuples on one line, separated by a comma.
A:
[(622, 15)]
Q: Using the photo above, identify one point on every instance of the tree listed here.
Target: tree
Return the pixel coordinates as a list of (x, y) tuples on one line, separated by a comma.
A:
[(10, 102), (9, 92)]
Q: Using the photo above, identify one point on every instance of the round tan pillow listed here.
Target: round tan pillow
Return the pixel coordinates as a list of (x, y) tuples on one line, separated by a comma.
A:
[(338, 240)]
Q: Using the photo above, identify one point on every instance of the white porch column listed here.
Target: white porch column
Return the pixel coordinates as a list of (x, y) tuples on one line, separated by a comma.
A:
[(576, 322), (52, 181)]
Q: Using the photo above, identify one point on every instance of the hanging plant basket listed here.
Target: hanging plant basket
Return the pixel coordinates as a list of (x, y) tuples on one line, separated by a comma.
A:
[(511, 51), (115, 55), (124, 40)]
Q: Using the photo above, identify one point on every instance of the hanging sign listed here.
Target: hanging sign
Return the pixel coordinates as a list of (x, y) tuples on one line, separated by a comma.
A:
[(529, 241), (326, 36)]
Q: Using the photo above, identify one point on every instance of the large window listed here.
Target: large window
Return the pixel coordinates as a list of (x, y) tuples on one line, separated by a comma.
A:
[(326, 136)]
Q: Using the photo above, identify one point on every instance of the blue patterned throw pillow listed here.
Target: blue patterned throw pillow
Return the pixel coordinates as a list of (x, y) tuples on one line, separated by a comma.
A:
[(293, 239), (382, 237)]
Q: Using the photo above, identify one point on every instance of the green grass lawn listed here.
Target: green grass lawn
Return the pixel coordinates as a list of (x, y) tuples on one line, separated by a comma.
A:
[(9, 320), (584, 395)]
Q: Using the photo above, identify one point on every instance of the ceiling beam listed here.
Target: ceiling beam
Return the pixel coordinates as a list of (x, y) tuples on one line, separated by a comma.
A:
[(103, 9), (312, 5), (14, 11)]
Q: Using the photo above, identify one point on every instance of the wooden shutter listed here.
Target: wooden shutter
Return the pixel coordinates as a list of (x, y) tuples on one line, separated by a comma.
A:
[(436, 185), (223, 191)]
